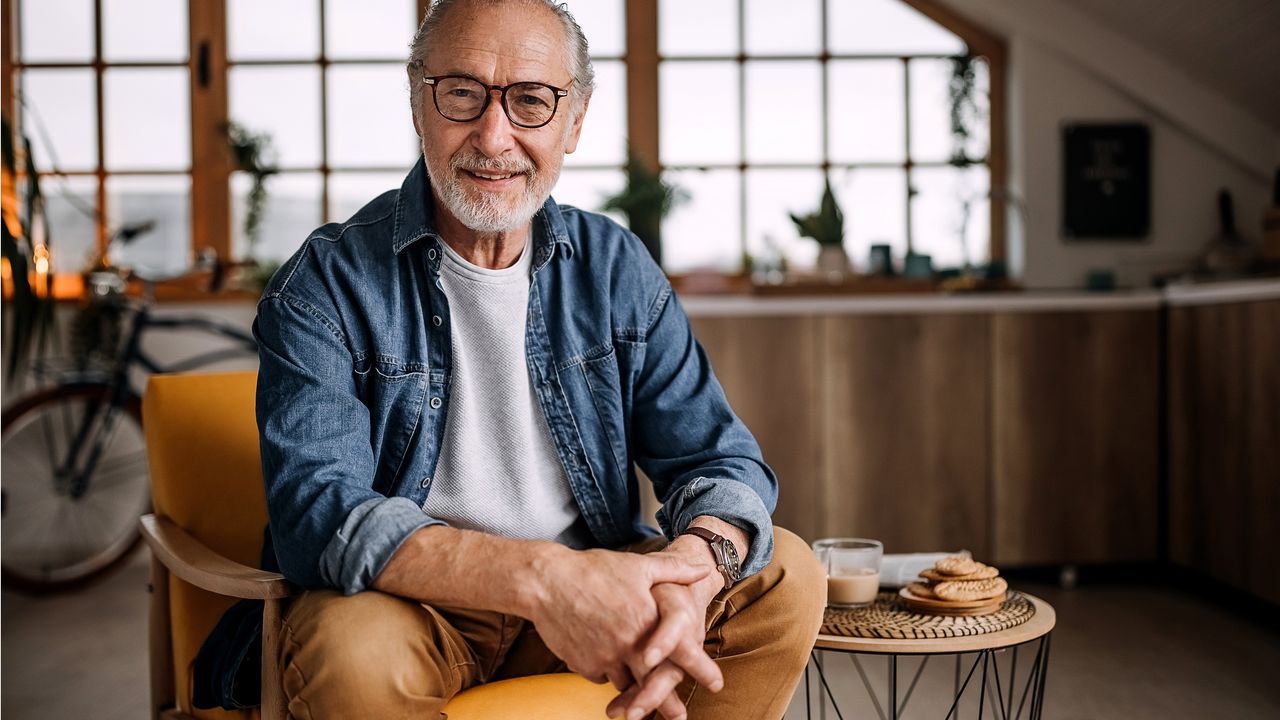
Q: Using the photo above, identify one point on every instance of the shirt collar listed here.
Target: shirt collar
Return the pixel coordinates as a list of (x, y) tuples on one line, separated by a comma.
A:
[(415, 219)]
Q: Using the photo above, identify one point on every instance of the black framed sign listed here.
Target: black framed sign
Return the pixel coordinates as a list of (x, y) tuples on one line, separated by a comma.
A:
[(1106, 181)]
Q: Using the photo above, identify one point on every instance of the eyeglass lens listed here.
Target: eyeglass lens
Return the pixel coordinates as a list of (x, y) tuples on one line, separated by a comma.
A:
[(463, 99)]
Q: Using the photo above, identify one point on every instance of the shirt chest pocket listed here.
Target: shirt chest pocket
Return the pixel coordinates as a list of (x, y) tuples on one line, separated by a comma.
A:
[(394, 392)]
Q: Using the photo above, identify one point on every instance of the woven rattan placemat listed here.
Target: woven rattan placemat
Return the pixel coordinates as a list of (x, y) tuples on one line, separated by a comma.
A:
[(889, 617)]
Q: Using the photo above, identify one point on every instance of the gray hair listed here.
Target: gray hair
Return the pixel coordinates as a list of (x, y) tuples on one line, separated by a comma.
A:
[(584, 77)]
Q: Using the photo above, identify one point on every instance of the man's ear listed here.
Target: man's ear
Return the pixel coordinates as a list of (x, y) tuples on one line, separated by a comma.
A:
[(413, 72), (575, 130)]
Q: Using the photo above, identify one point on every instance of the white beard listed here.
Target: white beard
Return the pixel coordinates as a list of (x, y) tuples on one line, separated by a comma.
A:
[(490, 212)]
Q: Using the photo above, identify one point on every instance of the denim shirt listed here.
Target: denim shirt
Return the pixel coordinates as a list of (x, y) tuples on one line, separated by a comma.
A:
[(354, 388)]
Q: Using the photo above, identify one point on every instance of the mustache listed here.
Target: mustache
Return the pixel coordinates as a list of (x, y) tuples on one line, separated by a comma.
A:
[(475, 162)]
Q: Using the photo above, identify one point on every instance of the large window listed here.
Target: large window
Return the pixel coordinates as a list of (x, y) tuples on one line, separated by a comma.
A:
[(761, 101), (749, 105)]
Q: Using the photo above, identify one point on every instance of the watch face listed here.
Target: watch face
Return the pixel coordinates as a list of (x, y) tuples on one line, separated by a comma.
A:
[(731, 557)]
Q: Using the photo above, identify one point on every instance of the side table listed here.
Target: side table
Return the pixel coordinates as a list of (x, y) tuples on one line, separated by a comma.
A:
[(997, 689)]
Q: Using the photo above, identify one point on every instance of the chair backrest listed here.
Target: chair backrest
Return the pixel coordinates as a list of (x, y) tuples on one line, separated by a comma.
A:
[(202, 443)]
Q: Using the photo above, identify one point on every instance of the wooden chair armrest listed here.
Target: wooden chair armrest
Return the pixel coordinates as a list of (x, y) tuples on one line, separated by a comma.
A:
[(190, 560)]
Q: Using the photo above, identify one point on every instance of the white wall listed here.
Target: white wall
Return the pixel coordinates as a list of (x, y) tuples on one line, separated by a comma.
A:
[(1065, 67)]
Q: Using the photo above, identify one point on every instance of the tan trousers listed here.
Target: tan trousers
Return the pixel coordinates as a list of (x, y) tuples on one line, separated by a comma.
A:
[(378, 655)]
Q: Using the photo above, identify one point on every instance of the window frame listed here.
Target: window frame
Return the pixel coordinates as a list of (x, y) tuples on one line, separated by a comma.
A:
[(210, 169)]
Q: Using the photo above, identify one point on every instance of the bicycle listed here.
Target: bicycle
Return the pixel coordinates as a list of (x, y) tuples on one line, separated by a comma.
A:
[(75, 480)]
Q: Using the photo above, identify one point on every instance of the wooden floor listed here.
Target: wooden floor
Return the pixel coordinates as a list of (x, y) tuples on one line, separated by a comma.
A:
[(1119, 651)]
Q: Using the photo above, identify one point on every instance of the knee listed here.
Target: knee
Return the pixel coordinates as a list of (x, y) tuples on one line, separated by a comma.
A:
[(800, 589), (369, 645)]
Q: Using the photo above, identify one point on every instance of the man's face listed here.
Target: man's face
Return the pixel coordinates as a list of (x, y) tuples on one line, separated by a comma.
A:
[(490, 174)]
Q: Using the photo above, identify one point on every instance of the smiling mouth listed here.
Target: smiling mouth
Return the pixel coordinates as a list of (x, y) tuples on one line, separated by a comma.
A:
[(491, 176)]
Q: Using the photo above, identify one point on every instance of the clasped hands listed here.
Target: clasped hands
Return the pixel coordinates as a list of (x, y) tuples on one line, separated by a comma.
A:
[(637, 621)]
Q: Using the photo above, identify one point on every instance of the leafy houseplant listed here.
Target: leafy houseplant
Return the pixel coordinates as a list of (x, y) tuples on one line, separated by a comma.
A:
[(252, 153), (33, 303), (826, 226), (645, 200)]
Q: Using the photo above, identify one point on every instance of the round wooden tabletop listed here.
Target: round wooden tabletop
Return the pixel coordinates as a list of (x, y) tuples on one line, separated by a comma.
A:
[(1039, 625)]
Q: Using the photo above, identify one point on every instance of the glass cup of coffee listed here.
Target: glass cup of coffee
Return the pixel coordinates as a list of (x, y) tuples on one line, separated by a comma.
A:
[(853, 570)]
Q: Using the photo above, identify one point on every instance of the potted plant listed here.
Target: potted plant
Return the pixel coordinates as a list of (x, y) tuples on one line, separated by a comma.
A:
[(645, 200), (826, 226)]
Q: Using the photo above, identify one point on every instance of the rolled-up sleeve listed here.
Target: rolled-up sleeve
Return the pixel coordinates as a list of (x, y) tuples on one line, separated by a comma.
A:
[(700, 456), (329, 527)]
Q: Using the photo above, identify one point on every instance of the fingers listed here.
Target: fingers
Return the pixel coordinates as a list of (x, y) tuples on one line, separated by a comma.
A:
[(668, 568), (691, 658), (656, 692)]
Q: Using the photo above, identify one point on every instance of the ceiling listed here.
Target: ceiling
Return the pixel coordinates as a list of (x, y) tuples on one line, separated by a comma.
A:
[(1231, 46)]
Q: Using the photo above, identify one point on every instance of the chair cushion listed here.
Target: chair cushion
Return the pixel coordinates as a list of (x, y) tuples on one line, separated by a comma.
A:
[(562, 696)]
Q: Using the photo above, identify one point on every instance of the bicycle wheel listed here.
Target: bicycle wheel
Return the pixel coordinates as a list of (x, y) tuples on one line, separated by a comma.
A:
[(63, 527)]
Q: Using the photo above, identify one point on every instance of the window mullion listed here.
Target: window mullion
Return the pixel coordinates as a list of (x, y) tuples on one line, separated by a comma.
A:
[(210, 160)]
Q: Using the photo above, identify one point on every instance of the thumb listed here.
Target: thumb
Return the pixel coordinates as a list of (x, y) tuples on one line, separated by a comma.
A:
[(672, 569)]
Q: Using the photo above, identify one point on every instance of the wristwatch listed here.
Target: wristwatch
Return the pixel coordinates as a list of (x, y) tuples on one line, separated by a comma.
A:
[(726, 554)]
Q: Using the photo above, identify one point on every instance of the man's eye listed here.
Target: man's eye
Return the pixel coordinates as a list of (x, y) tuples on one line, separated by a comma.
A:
[(461, 93), (532, 101)]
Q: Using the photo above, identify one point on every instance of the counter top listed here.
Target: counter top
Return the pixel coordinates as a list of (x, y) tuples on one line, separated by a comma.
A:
[(1003, 302)]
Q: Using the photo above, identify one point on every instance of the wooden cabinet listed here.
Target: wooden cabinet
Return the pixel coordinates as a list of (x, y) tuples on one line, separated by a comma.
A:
[(769, 368), (905, 431), (1075, 431), (1224, 442)]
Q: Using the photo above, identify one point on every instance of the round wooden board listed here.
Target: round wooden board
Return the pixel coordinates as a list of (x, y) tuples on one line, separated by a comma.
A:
[(930, 606)]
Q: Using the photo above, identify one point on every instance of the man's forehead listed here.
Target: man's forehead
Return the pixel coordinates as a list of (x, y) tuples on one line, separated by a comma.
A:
[(518, 39)]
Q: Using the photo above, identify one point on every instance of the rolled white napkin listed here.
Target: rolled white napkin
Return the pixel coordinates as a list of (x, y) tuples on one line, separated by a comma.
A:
[(898, 569)]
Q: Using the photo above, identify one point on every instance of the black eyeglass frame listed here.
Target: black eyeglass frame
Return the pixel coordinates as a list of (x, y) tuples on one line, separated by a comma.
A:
[(488, 97)]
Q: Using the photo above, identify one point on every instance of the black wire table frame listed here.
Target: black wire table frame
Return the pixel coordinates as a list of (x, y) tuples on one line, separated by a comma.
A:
[(996, 694)]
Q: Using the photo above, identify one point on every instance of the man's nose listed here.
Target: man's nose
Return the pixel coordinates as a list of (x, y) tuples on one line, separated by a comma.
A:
[(494, 134)]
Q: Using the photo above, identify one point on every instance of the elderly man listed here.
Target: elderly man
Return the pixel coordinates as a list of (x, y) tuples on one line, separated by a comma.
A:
[(455, 385)]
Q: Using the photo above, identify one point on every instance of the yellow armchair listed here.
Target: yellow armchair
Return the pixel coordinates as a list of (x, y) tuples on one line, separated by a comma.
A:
[(205, 536)]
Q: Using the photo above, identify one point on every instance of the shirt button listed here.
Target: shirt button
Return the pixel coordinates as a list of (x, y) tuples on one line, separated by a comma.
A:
[(431, 254), (435, 320), (436, 403), (425, 482)]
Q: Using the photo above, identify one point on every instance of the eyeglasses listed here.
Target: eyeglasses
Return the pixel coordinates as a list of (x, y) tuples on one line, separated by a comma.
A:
[(462, 99)]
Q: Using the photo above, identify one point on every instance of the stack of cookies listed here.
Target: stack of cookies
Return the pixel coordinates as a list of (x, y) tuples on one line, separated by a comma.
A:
[(956, 585)]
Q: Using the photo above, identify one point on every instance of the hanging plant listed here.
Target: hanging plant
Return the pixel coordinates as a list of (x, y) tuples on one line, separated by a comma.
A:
[(966, 113), (254, 154)]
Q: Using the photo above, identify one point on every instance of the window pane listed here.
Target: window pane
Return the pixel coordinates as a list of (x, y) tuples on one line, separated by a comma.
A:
[(369, 28), (69, 204), (866, 111), (588, 189), (939, 224), (148, 119), (784, 112), (604, 24), (292, 211), (705, 232), (164, 200), (706, 27), (283, 102), (60, 107), (874, 201), (348, 192), (886, 26), (790, 28), (273, 30), (771, 196), (370, 124), (699, 112), (604, 132), (145, 30), (56, 30)]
